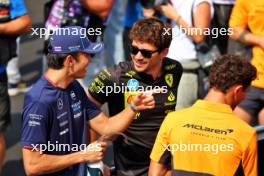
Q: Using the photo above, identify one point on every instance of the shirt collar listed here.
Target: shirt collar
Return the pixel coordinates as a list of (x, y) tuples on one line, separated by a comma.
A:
[(212, 106), (147, 77)]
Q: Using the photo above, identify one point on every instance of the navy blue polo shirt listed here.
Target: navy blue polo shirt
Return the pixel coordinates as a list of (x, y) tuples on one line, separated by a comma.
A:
[(53, 117)]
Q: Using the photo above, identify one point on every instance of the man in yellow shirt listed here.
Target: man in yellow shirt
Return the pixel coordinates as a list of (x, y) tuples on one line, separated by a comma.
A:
[(207, 138), (247, 21)]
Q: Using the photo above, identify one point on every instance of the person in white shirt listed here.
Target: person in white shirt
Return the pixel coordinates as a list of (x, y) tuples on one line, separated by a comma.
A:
[(192, 16)]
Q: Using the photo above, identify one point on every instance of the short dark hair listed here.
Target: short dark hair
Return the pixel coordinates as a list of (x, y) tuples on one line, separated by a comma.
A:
[(153, 31), (55, 61), (230, 70)]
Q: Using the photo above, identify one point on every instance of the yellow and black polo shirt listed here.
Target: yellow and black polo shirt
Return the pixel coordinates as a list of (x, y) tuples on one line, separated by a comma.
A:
[(134, 155)]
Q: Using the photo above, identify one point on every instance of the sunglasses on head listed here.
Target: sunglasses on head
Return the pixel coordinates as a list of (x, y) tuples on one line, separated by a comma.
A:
[(145, 53)]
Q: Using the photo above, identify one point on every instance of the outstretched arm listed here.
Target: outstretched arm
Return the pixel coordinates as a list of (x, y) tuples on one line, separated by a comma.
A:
[(102, 124)]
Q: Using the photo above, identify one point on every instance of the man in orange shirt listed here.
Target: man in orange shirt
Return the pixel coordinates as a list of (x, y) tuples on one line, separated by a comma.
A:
[(207, 138), (248, 26)]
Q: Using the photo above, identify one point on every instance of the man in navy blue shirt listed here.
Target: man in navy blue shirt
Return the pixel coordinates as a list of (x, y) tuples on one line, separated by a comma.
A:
[(56, 111)]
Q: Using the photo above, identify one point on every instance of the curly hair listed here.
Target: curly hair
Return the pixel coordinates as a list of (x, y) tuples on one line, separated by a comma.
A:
[(153, 31), (230, 70)]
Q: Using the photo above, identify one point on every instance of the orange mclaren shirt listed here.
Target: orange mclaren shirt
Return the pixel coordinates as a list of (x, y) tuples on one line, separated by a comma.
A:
[(250, 14), (207, 139)]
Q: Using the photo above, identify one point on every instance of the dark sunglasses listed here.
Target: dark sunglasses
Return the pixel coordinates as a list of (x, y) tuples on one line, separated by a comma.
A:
[(145, 53)]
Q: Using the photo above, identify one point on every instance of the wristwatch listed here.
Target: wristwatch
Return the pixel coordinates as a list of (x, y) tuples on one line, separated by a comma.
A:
[(133, 107)]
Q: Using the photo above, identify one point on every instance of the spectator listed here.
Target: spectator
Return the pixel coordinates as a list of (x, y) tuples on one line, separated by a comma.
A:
[(132, 14), (15, 83), (57, 111), (148, 69), (77, 12), (14, 21), (248, 26), (187, 17), (207, 138), (222, 12), (113, 34), (135, 10)]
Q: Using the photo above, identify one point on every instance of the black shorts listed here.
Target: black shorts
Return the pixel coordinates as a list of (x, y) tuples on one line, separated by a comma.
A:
[(254, 101), (4, 103)]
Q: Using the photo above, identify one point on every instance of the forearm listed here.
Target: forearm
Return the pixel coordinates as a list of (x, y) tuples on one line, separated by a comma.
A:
[(92, 135), (196, 33), (188, 28), (200, 20), (157, 169), (121, 121), (98, 7), (246, 37), (17, 26), (117, 123), (51, 163)]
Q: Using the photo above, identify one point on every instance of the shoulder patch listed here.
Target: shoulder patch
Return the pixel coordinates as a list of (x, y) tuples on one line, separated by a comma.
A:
[(170, 67)]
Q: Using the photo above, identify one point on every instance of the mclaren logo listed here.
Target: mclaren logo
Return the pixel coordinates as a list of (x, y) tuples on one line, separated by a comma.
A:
[(207, 129)]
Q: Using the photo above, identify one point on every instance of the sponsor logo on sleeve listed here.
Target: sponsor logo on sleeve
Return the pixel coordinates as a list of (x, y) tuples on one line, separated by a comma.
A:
[(169, 79), (132, 84), (60, 104), (73, 96)]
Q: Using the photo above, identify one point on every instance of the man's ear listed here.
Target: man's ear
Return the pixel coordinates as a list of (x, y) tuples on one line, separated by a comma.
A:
[(238, 89), (68, 62), (164, 53)]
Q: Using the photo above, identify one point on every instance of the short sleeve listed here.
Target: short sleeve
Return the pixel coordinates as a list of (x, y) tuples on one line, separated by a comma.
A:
[(197, 2), (160, 152), (102, 87), (34, 124), (239, 15), (249, 160), (178, 73), (91, 109), (17, 8)]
